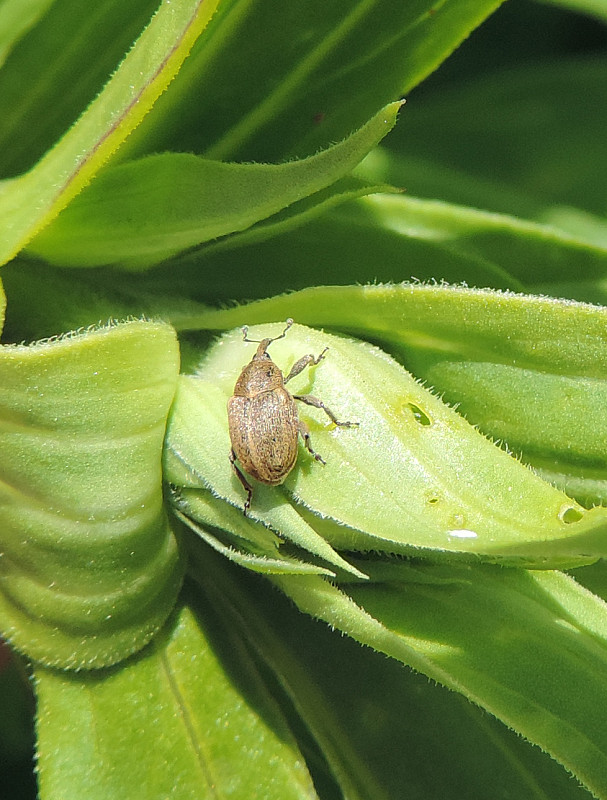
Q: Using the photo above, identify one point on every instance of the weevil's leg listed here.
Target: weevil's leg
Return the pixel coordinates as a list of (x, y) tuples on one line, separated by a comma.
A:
[(245, 484), (309, 400), (303, 362), (305, 435)]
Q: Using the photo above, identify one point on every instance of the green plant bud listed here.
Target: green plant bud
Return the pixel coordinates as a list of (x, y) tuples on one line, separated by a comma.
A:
[(413, 478)]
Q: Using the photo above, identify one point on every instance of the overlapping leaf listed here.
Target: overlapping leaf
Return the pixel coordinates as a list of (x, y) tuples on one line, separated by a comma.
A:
[(462, 627), (495, 145), (331, 66), (142, 212), (526, 369), (267, 81), (29, 202), (376, 722), (49, 78)]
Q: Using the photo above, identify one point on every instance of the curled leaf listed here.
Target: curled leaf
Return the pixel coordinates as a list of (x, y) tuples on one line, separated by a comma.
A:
[(196, 455), (89, 566)]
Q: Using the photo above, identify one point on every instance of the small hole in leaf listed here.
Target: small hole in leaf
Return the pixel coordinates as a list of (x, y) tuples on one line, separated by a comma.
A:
[(569, 514), (419, 415)]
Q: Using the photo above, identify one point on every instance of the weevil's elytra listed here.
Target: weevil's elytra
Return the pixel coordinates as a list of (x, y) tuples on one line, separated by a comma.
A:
[(263, 420)]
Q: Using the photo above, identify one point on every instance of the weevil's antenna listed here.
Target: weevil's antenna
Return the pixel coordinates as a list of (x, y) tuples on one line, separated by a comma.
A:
[(245, 331)]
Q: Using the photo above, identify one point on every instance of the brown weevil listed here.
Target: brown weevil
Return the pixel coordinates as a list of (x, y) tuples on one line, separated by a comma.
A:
[(263, 420)]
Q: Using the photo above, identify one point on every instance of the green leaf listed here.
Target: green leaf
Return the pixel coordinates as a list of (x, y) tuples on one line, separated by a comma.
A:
[(216, 729), (90, 567), (555, 420), (332, 66), (462, 627), (29, 202), (291, 218), (238, 538), (142, 212), (414, 475), (385, 740), (526, 369), (384, 237), (593, 577), (499, 249), (49, 77), (45, 301), (16, 18), (595, 8), (197, 452), (522, 140)]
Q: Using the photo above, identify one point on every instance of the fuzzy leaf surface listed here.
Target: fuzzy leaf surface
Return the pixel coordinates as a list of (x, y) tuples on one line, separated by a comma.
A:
[(462, 627), (144, 211), (199, 696), (90, 566), (528, 370), (32, 200), (414, 475)]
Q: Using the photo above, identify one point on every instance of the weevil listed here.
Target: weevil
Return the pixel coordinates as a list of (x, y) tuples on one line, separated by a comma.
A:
[(263, 420)]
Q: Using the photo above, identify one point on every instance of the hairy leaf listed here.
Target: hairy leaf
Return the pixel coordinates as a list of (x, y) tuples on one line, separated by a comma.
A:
[(31, 201), (530, 370), (142, 212), (49, 78), (377, 723), (89, 566), (215, 727), (462, 627), (414, 475)]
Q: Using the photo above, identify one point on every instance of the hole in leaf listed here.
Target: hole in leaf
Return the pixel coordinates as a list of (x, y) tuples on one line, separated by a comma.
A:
[(419, 415), (569, 514)]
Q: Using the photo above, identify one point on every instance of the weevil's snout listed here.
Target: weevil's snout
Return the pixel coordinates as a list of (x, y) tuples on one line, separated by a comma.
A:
[(262, 350)]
